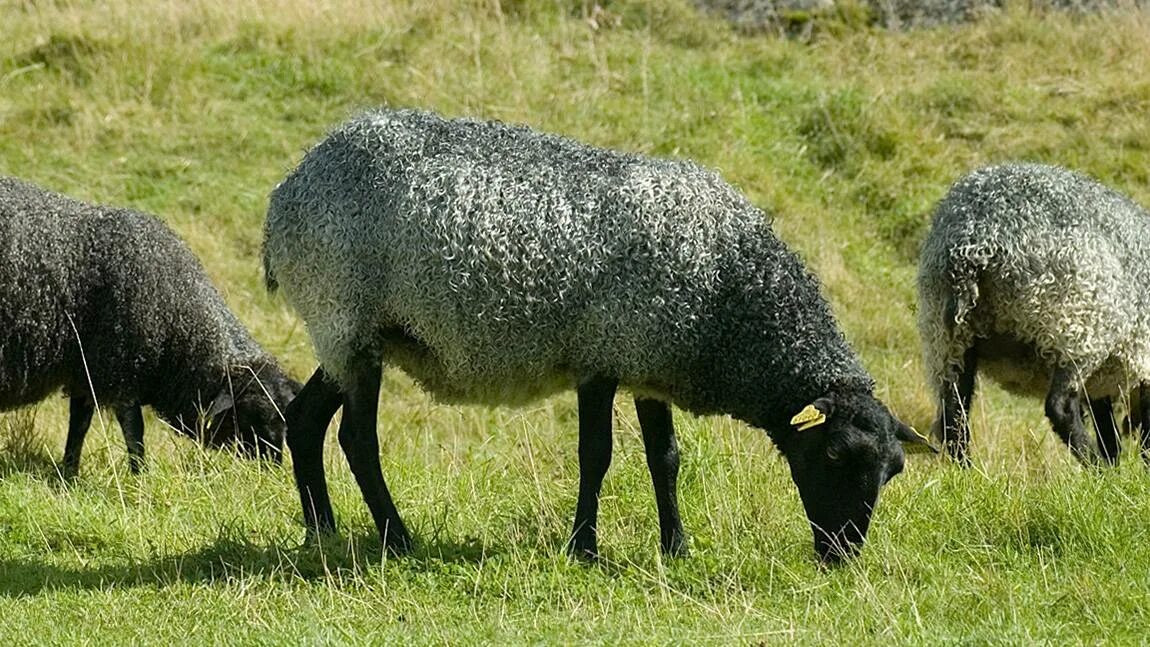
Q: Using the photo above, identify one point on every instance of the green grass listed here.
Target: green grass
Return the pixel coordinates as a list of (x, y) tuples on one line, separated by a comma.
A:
[(194, 111)]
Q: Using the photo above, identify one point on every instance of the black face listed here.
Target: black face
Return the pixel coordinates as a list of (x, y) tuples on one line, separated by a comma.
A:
[(839, 467), (254, 420)]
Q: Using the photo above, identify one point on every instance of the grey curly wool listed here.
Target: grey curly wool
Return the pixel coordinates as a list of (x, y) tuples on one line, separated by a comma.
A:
[(111, 306), (496, 264), (524, 263), (1049, 257)]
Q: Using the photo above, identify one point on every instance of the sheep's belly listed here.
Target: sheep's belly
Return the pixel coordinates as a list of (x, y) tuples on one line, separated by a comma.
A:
[(1020, 377), (489, 391), (1018, 368), (495, 385)]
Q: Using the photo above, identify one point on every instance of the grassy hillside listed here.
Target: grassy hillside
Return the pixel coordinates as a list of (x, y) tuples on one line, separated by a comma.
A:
[(194, 110)]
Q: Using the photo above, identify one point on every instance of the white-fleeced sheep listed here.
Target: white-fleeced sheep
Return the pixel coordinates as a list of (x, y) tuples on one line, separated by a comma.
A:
[(1037, 276), (496, 264)]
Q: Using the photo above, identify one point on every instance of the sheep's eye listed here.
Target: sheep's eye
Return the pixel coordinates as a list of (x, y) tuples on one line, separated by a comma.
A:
[(834, 455)]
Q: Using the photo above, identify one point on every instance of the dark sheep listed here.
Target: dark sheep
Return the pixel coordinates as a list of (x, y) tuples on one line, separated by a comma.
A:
[(110, 306)]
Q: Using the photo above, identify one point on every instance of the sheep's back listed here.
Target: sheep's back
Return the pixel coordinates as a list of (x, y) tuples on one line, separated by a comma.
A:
[(515, 262)]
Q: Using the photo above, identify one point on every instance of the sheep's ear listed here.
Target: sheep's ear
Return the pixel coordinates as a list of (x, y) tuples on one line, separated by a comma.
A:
[(222, 403), (912, 441), (813, 415)]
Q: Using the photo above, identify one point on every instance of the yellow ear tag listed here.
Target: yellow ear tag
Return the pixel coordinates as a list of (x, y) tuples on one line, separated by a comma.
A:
[(808, 417)]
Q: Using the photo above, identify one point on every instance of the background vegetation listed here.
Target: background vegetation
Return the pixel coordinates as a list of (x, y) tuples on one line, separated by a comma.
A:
[(194, 110)]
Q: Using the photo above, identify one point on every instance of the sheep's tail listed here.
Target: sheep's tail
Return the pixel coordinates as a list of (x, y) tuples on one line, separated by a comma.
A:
[(270, 282), (960, 301), (948, 295)]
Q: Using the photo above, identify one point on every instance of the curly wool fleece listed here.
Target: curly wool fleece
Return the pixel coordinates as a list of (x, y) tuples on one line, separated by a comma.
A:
[(497, 264), (109, 300), (1047, 257)]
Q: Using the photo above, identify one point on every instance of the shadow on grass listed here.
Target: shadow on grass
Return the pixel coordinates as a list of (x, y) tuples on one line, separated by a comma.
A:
[(227, 559), (38, 466)]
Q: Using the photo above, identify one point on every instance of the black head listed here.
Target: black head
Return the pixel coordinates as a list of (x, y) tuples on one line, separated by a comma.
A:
[(842, 450), (249, 411)]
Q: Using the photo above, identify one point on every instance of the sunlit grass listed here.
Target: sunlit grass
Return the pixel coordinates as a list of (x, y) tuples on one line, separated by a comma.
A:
[(194, 110)]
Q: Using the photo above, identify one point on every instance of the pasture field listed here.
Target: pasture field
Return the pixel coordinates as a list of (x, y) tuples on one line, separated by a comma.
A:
[(193, 111)]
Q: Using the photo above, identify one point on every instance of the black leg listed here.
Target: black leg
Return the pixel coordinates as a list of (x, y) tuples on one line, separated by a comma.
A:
[(131, 421), (80, 409), (1109, 443), (663, 463), (357, 437), (1064, 409), (1143, 418), (595, 399), (955, 415), (307, 417)]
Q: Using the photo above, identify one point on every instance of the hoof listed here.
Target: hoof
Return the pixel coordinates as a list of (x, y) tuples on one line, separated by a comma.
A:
[(582, 551), (676, 548), (397, 542)]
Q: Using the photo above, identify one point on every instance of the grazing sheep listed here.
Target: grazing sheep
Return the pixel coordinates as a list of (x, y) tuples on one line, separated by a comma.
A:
[(496, 264), (110, 306), (1037, 276)]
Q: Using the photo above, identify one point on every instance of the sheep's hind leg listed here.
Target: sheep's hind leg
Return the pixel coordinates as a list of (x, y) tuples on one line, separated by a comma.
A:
[(307, 418), (1109, 443), (80, 410), (357, 437), (1143, 420), (663, 462), (595, 399), (1064, 409), (131, 421), (955, 398)]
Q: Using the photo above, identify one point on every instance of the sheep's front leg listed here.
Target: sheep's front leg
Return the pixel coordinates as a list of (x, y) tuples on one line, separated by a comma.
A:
[(357, 437), (955, 398), (80, 410), (595, 399), (131, 421), (307, 418), (1109, 443), (663, 463), (1064, 409)]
